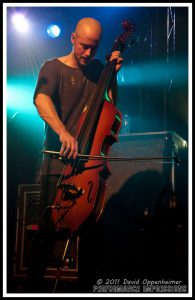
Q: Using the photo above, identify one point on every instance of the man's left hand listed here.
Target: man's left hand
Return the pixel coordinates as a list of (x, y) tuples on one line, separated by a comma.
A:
[(115, 55)]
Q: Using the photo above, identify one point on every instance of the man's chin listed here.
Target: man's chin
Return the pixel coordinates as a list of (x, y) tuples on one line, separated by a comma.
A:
[(84, 62)]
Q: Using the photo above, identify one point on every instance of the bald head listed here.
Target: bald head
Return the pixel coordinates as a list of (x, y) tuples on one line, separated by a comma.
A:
[(85, 41), (90, 28)]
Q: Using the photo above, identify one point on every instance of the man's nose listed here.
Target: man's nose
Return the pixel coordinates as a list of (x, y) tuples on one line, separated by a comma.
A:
[(88, 52)]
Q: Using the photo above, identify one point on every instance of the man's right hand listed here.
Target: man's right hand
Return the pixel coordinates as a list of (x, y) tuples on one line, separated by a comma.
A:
[(47, 111), (69, 146)]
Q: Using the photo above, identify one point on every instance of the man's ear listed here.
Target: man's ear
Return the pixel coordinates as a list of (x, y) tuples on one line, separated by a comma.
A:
[(73, 38)]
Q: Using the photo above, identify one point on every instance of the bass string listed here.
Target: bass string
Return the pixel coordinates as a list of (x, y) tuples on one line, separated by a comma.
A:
[(74, 170), (68, 210), (64, 211)]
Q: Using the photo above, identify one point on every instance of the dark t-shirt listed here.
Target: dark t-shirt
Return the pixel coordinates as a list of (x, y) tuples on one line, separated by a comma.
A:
[(70, 89)]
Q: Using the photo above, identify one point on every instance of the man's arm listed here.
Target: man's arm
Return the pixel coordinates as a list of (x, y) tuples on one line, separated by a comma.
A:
[(48, 113), (112, 89)]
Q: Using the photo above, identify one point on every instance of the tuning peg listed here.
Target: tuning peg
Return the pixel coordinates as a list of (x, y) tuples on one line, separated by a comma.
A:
[(128, 24)]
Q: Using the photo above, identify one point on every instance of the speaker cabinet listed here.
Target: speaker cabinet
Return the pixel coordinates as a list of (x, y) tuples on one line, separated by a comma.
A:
[(156, 169), (27, 214), (144, 224)]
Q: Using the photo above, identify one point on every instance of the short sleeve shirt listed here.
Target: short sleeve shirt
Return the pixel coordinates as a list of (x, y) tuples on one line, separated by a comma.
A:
[(70, 89)]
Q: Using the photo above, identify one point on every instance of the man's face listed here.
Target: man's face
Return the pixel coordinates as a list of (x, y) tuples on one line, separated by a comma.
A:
[(84, 49)]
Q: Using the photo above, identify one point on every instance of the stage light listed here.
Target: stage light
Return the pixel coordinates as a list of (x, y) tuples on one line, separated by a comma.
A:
[(20, 23), (19, 93), (156, 73), (53, 31)]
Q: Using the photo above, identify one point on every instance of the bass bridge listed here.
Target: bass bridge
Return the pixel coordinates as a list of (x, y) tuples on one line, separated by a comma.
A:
[(71, 191)]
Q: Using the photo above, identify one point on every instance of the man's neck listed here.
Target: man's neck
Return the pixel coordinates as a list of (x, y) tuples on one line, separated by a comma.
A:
[(69, 60)]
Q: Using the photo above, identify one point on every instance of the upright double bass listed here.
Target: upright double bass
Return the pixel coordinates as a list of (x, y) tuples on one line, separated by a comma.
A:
[(81, 188)]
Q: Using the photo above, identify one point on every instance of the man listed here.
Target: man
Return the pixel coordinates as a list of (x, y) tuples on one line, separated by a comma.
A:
[(65, 86)]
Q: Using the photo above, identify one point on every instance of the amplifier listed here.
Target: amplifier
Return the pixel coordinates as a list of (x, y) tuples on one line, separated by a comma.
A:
[(161, 171), (27, 214), (144, 224)]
